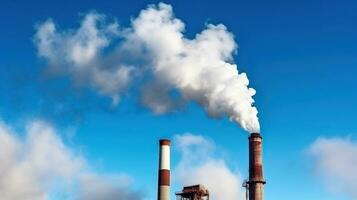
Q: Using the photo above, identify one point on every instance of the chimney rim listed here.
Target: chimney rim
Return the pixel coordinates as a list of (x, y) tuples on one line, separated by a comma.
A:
[(254, 135), (165, 142)]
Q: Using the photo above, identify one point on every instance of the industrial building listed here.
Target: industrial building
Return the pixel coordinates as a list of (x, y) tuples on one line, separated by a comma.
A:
[(194, 192)]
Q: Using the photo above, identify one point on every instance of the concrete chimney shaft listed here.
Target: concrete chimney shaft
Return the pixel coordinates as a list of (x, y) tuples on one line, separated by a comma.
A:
[(164, 171), (256, 180)]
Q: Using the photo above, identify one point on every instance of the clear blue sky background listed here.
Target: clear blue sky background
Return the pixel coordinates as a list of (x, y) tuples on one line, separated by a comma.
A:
[(300, 56)]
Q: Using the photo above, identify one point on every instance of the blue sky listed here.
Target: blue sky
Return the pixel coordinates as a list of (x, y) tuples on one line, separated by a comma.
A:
[(300, 56)]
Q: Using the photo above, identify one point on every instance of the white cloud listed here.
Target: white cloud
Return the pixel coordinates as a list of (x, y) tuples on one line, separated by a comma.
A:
[(200, 69), (94, 187), (38, 165), (335, 160), (199, 165)]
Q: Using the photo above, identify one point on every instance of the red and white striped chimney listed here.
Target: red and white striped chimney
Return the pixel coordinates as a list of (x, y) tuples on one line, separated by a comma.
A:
[(164, 170)]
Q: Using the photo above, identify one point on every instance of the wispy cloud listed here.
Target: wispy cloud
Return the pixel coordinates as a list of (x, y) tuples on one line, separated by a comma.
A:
[(38, 165), (335, 161), (200, 164)]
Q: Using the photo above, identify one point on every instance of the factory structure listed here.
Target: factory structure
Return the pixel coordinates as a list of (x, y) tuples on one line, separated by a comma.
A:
[(194, 192), (254, 185)]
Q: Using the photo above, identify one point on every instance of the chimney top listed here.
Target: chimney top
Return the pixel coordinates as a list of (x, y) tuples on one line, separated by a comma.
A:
[(165, 142), (255, 135)]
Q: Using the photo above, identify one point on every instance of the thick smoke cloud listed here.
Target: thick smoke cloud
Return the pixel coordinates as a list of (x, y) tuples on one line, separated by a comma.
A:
[(335, 160), (198, 165), (38, 165), (155, 53)]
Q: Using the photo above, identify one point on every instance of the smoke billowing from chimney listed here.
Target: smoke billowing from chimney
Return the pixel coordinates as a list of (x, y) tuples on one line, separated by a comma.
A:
[(154, 53)]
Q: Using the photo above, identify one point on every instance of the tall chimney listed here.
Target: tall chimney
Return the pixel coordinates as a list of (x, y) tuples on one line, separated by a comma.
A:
[(164, 171), (256, 181)]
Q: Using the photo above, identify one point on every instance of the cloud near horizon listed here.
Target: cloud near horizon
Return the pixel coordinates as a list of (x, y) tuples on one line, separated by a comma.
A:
[(199, 164), (38, 165), (335, 161)]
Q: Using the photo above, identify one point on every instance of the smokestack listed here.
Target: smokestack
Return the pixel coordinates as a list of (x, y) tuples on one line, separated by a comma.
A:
[(164, 171), (256, 181)]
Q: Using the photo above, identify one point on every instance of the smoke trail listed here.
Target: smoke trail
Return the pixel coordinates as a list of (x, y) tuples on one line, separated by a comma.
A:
[(155, 51)]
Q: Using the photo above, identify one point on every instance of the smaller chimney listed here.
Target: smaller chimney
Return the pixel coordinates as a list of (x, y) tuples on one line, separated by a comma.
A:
[(256, 181), (164, 170)]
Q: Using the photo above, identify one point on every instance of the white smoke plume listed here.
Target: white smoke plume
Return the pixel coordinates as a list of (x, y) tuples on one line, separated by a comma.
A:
[(335, 160), (79, 53), (38, 165), (199, 69), (198, 165)]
